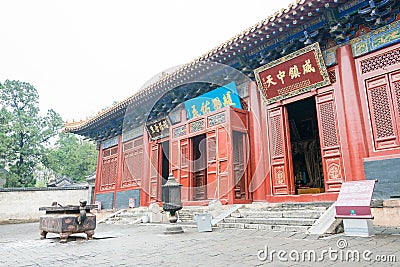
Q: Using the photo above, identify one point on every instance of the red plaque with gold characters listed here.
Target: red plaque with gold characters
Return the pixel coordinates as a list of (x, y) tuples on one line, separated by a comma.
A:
[(293, 74)]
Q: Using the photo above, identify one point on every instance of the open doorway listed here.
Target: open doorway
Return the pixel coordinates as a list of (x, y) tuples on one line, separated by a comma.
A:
[(305, 147), (199, 167), (164, 161), (239, 164)]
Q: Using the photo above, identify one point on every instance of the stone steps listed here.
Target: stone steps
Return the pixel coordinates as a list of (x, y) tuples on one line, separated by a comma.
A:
[(187, 214), (313, 214), (291, 217), (272, 221), (266, 227), (128, 216)]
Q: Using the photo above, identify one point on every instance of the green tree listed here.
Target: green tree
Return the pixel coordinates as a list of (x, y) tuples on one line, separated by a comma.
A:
[(23, 133), (72, 157)]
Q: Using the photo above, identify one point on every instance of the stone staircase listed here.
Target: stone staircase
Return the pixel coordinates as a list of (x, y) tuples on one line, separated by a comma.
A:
[(187, 214), (127, 216), (291, 217)]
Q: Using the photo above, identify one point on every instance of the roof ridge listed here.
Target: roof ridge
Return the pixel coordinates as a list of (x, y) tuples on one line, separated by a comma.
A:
[(201, 58)]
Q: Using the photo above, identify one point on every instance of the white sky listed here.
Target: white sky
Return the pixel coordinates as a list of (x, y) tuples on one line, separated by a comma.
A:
[(83, 55)]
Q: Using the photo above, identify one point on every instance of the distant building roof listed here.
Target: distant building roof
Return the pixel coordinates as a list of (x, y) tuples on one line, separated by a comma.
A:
[(62, 181)]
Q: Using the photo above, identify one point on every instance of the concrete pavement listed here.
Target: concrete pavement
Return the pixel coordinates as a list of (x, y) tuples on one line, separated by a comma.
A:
[(146, 245)]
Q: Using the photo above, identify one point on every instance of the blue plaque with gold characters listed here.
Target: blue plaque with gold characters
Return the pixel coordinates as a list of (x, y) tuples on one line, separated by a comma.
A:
[(221, 97)]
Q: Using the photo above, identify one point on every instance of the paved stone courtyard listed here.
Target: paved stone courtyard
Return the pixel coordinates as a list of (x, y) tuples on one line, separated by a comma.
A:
[(146, 245)]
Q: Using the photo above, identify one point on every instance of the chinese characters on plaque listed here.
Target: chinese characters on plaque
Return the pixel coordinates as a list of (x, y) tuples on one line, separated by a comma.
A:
[(293, 74), (224, 96), (158, 129)]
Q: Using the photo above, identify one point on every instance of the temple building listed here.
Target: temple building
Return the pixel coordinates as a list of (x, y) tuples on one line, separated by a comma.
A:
[(285, 111)]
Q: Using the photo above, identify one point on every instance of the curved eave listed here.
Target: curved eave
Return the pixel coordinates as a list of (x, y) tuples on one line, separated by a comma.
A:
[(274, 26)]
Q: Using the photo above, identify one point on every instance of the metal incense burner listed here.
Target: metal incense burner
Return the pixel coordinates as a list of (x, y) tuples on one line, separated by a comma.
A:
[(67, 220), (171, 198)]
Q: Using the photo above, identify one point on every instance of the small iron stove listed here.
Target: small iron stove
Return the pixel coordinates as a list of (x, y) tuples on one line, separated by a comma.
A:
[(67, 220)]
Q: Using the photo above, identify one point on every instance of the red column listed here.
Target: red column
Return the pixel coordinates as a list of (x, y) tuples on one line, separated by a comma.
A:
[(98, 171), (258, 183), (145, 186), (354, 125), (119, 169)]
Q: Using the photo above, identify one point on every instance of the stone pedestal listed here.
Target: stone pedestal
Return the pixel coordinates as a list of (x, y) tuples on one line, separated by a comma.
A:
[(215, 208), (155, 215), (173, 229), (358, 227)]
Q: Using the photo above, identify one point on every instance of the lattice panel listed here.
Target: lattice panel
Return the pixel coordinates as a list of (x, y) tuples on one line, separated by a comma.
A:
[(104, 174), (114, 150), (332, 76), (109, 172), (396, 86), (128, 145), (184, 156), (132, 171), (277, 148), (128, 163), (106, 153), (113, 171), (138, 142), (380, 61), (154, 163), (381, 112), (211, 148), (329, 131)]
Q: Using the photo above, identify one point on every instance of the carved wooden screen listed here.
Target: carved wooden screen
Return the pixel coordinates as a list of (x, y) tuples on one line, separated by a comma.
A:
[(394, 79), (222, 162), (184, 161), (154, 174), (330, 142), (132, 163), (239, 164), (212, 175), (279, 151), (175, 160), (109, 168), (383, 103)]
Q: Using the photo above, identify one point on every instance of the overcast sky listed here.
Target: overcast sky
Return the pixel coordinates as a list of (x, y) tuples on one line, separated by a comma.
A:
[(83, 55)]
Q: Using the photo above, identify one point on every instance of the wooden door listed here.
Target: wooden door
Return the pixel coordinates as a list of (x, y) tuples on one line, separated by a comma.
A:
[(212, 174), (280, 151), (222, 162), (199, 167), (239, 165), (382, 112), (330, 141), (154, 172), (184, 170)]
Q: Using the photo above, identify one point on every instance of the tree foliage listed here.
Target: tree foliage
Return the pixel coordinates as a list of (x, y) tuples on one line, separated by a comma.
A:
[(72, 157), (23, 132)]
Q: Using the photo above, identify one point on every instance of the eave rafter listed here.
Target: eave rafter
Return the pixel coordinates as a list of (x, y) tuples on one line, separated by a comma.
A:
[(291, 28)]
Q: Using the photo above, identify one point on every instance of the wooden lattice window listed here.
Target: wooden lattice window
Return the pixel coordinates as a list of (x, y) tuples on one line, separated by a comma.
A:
[(329, 136), (380, 61), (132, 163), (212, 148), (383, 103), (109, 168), (276, 134), (184, 156)]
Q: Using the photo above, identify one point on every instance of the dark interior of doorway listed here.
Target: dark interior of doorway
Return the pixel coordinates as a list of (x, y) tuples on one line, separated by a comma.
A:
[(165, 161), (305, 146), (239, 164), (199, 146)]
